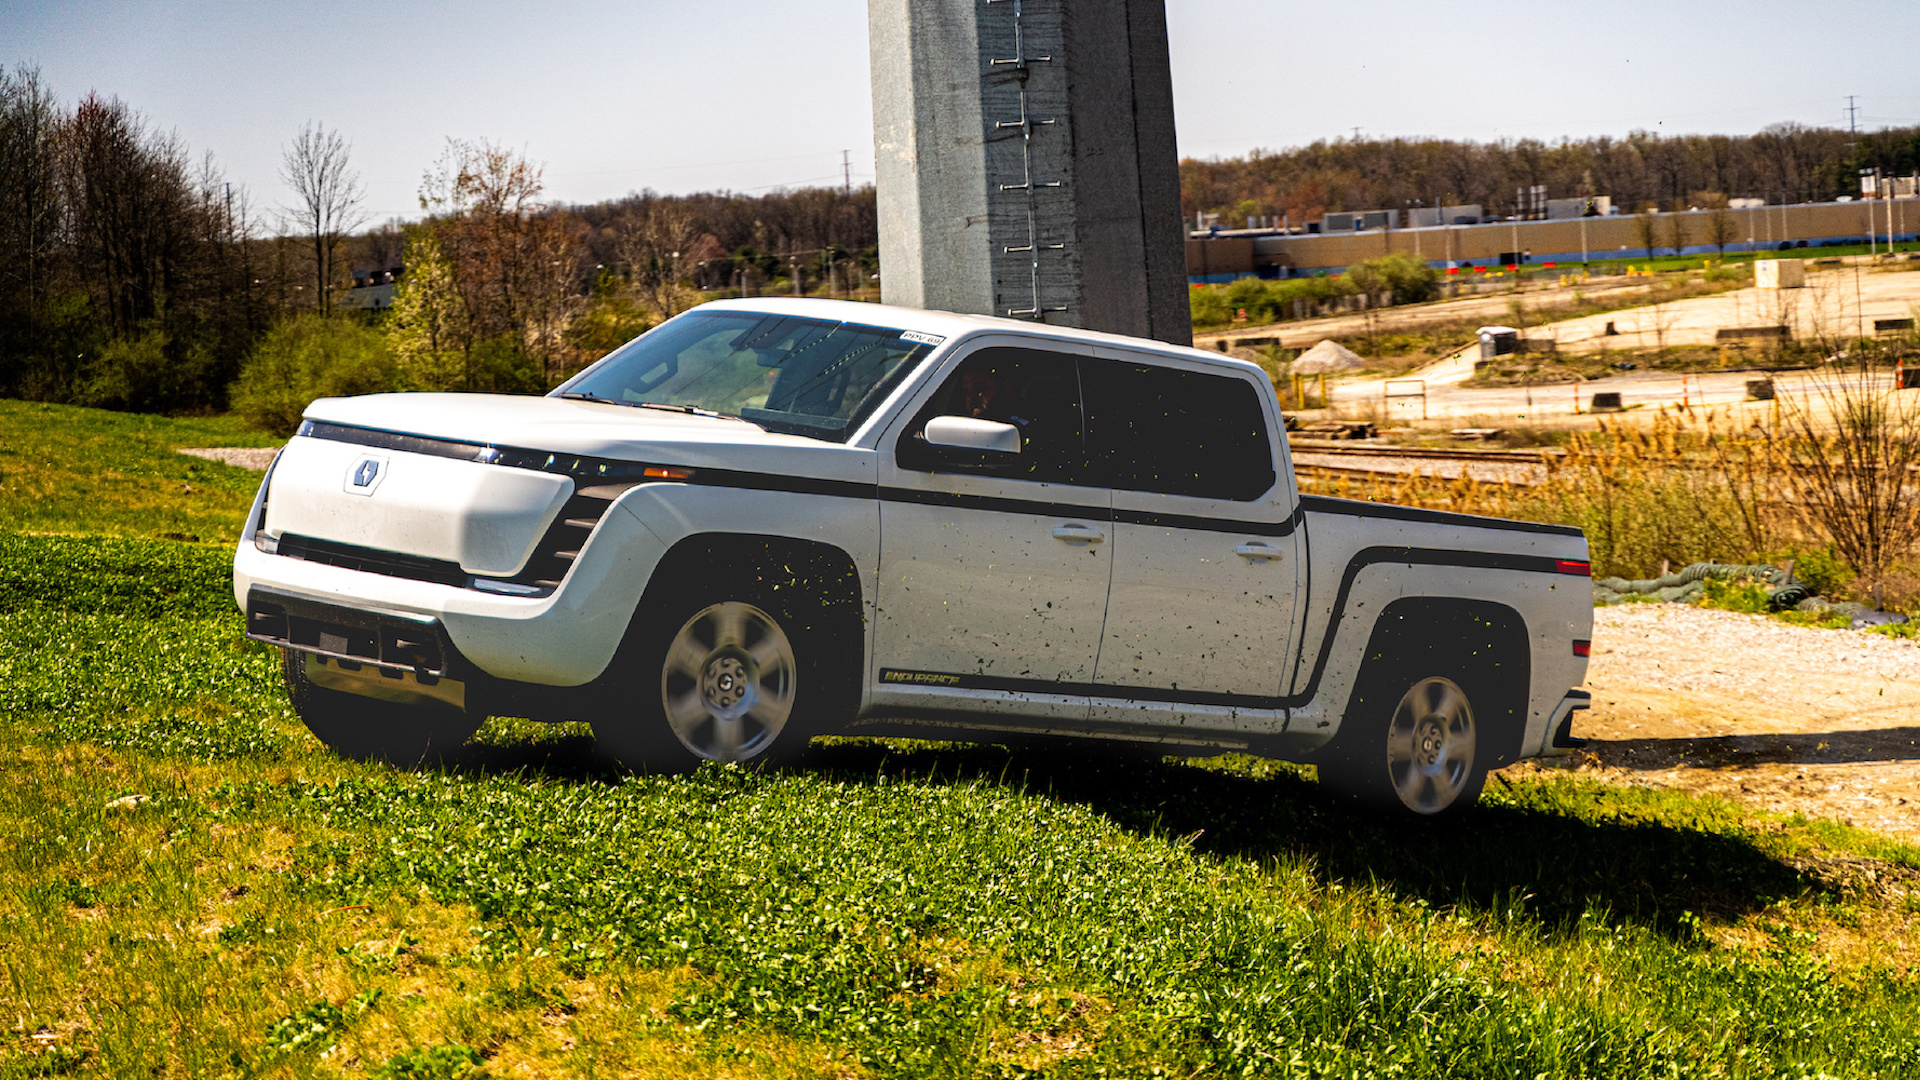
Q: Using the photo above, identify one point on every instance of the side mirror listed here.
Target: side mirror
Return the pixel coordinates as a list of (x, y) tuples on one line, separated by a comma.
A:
[(969, 433)]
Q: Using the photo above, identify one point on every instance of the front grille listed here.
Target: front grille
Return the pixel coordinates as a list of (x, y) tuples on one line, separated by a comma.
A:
[(371, 560), (554, 555)]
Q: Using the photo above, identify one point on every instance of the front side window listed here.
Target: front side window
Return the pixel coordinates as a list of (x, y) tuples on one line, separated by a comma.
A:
[(800, 376), (1034, 390), (1176, 432)]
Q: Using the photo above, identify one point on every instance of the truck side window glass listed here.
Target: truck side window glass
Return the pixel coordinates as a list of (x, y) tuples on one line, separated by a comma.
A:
[(1176, 432), (1034, 390)]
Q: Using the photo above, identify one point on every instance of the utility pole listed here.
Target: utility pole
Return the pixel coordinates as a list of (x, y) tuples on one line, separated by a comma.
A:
[(846, 171)]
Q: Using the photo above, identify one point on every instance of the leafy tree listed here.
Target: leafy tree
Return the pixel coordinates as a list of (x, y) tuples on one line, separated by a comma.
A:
[(516, 262), (427, 327), (612, 320)]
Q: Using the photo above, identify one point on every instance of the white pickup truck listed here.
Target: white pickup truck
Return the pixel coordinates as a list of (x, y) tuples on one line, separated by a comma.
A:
[(766, 520)]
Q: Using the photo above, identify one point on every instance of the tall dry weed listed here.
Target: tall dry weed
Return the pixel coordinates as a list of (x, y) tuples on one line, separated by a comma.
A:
[(1689, 487)]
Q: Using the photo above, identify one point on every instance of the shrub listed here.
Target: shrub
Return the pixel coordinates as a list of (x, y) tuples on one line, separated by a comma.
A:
[(149, 373), (308, 357), (1407, 279), (1210, 307), (1820, 569)]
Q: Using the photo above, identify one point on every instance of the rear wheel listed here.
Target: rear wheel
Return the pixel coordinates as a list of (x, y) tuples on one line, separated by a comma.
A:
[(719, 677), (369, 729), (1424, 751)]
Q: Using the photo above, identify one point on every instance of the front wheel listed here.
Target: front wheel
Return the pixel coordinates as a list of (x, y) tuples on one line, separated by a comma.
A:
[(718, 679), (369, 729), (1427, 754)]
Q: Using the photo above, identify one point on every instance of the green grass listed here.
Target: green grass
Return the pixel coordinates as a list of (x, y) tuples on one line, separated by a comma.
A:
[(65, 469), (189, 886)]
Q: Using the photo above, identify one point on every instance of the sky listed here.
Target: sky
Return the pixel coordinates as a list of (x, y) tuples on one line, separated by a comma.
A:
[(615, 96)]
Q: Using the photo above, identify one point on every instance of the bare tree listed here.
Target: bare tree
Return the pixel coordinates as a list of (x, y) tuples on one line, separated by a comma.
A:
[(657, 241), (1720, 229), (1678, 230), (327, 200), (1645, 228)]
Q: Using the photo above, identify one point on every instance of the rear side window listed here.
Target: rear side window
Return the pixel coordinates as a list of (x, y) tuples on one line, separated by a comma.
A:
[(1176, 432)]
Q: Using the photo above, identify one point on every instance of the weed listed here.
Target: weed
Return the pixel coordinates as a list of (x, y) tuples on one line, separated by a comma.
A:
[(1730, 594), (446, 1062)]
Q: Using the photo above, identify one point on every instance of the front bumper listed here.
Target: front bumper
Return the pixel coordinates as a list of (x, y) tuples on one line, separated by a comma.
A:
[(564, 639)]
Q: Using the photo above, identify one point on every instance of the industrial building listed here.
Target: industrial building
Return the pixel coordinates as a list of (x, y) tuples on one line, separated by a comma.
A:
[(1589, 232)]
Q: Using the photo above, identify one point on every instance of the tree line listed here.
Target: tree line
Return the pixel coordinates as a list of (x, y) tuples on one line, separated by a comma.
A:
[(1784, 162), (133, 275)]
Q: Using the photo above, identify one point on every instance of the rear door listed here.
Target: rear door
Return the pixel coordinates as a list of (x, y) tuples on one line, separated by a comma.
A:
[(993, 568), (1205, 552)]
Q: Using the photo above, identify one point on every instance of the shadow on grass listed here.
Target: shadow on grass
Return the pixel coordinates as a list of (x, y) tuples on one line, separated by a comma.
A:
[(1553, 864)]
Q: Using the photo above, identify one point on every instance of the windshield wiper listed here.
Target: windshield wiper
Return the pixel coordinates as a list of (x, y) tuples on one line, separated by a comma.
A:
[(667, 406), (583, 395)]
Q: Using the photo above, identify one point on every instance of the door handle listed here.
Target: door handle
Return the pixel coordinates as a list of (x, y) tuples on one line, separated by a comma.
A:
[(1078, 534), (1254, 549)]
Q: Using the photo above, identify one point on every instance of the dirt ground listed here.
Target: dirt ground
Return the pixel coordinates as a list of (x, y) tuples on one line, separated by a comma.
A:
[(1785, 718), (1490, 307), (1836, 303)]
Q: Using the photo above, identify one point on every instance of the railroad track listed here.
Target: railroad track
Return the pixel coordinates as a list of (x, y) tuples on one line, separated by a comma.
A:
[(1429, 453), (1330, 472)]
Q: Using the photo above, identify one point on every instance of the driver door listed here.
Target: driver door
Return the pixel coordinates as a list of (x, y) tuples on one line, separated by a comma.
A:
[(993, 567)]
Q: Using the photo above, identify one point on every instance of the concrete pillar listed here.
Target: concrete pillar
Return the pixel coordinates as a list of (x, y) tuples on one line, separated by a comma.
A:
[(1026, 164)]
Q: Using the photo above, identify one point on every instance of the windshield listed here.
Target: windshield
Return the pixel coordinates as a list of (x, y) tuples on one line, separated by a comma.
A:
[(800, 376)]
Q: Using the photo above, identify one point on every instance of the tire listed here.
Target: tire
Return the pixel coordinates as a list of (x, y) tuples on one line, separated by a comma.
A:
[(368, 729), (1422, 751), (726, 675)]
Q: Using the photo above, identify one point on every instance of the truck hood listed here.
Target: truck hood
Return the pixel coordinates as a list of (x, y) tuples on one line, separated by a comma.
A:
[(594, 429)]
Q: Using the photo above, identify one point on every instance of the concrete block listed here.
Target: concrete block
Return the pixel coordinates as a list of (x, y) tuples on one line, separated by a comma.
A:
[(1025, 162), (1780, 274)]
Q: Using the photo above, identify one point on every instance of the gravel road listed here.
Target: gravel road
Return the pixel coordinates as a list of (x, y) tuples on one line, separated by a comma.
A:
[(246, 457), (1787, 718)]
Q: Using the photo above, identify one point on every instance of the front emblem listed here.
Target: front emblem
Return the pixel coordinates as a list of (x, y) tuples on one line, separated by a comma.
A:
[(365, 474)]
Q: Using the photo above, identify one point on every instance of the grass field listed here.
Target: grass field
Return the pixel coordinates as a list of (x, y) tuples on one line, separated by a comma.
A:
[(189, 886), (70, 470)]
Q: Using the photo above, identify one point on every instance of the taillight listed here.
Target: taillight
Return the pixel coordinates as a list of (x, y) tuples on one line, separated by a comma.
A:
[(1583, 648), (1573, 566)]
